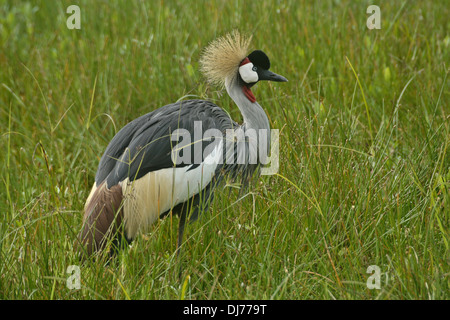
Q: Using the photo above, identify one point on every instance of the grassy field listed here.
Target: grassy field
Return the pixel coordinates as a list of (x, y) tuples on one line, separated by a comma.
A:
[(364, 174)]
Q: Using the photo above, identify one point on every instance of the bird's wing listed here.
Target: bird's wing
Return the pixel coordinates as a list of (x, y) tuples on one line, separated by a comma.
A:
[(145, 144)]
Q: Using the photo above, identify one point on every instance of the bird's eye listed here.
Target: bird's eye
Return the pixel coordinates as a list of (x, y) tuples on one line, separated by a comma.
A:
[(254, 68)]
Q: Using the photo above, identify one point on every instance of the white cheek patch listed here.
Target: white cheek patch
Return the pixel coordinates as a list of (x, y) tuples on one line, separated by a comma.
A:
[(247, 74)]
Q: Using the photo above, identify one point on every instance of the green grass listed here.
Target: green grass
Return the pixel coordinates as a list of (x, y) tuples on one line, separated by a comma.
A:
[(364, 173)]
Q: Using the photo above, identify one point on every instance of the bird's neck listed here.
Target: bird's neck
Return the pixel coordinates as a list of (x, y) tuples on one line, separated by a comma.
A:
[(253, 114)]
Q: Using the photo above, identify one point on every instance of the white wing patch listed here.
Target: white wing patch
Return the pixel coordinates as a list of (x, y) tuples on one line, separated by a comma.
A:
[(247, 73), (159, 191)]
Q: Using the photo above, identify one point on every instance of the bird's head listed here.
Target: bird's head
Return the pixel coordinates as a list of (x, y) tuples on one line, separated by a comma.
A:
[(225, 61), (255, 68)]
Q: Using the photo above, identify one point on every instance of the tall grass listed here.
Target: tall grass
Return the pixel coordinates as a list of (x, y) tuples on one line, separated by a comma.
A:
[(364, 170)]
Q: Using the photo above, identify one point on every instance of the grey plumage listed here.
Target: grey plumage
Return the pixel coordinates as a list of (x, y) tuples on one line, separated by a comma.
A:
[(148, 139)]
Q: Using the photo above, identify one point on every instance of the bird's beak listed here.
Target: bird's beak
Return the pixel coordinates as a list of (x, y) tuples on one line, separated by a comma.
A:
[(270, 76)]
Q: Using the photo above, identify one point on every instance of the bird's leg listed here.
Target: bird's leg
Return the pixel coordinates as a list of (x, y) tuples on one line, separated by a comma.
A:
[(191, 208), (181, 226)]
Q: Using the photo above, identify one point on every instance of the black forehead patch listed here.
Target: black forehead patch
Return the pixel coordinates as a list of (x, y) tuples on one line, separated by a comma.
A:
[(260, 59)]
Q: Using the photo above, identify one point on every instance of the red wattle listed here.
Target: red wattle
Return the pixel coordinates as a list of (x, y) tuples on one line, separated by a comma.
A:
[(249, 94), (245, 61)]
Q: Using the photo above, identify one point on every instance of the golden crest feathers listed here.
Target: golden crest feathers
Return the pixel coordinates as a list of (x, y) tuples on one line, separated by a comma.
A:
[(221, 58)]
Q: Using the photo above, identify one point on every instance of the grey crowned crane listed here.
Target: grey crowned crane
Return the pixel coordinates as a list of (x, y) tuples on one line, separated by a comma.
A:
[(139, 180)]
